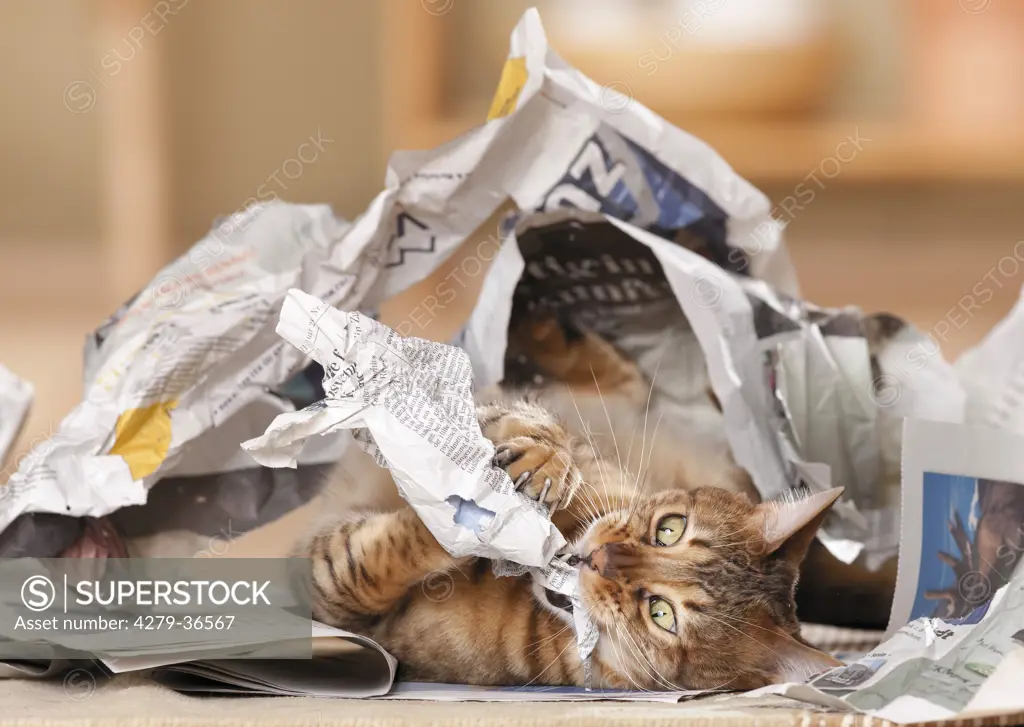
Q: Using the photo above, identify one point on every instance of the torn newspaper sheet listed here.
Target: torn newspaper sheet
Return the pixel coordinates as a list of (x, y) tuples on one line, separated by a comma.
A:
[(933, 668), (15, 400), (959, 580), (411, 402)]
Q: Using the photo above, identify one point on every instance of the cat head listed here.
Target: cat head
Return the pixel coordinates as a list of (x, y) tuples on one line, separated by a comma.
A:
[(695, 590)]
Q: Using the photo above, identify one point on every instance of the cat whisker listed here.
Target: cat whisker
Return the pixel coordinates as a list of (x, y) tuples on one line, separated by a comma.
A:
[(577, 479), (608, 418), (724, 546), (587, 500), (640, 486), (618, 657), (629, 452), (664, 680), (740, 631), (739, 529), (595, 496), (747, 623), (569, 643), (641, 468), (539, 643), (643, 442), (590, 439), (723, 685), (647, 409), (656, 675)]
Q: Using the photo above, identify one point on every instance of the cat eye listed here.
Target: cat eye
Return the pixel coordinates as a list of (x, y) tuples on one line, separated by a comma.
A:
[(662, 613), (670, 529)]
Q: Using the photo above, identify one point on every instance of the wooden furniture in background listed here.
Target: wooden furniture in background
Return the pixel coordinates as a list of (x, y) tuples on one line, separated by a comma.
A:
[(134, 173)]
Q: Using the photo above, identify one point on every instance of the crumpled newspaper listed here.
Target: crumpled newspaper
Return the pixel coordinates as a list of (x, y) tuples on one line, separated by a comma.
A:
[(182, 359), (955, 642), (694, 283), (410, 402), (810, 397), (191, 366), (15, 400)]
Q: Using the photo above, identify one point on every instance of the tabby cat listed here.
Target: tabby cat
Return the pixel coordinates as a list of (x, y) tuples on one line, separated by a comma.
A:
[(690, 583)]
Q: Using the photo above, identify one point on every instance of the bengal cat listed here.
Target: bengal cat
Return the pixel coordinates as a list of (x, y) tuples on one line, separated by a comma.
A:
[(690, 583)]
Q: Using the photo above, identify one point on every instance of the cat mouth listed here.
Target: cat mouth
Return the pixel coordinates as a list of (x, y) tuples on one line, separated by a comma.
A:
[(558, 600)]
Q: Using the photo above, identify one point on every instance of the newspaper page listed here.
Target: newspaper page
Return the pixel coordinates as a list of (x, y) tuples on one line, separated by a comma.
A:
[(933, 668), (15, 399), (411, 402), (343, 665)]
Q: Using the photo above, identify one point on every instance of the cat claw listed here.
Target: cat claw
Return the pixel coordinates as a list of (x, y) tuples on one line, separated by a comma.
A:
[(504, 455)]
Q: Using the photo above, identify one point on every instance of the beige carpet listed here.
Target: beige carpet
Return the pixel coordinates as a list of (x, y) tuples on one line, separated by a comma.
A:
[(129, 701)]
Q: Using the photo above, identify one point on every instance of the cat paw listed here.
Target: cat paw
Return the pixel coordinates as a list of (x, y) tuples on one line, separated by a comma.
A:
[(542, 471)]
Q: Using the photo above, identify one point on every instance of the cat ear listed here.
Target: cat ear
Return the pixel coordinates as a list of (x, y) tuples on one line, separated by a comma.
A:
[(789, 527), (796, 662)]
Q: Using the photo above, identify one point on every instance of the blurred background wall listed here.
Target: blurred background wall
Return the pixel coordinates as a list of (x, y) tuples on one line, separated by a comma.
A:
[(128, 126)]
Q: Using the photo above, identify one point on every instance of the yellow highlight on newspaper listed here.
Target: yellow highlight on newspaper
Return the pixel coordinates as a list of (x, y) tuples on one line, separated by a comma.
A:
[(143, 437), (513, 78)]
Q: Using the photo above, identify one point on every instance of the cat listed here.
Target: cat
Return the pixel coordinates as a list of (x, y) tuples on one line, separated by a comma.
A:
[(690, 583)]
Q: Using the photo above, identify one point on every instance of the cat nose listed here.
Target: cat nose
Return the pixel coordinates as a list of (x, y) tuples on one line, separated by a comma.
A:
[(598, 559), (610, 558)]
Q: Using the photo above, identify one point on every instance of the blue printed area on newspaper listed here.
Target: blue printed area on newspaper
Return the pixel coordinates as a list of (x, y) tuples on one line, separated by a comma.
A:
[(972, 541)]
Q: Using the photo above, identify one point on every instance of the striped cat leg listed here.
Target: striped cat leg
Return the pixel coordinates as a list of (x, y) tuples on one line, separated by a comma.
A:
[(365, 567)]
